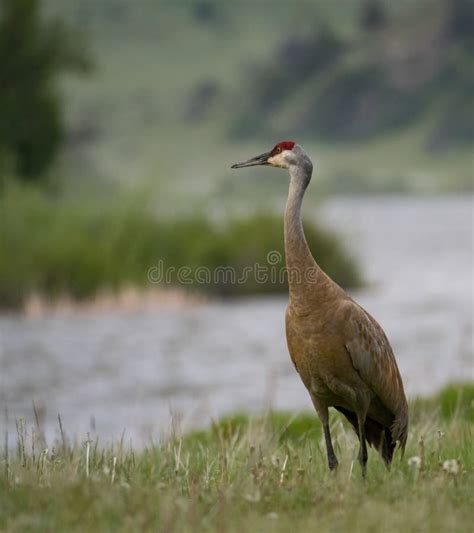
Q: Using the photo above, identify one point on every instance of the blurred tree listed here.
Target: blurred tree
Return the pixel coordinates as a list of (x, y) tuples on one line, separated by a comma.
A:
[(373, 16), (461, 22), (205, 11), (33, 52)]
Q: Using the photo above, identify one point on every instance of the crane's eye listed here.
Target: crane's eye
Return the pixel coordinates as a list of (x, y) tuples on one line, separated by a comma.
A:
[(278, 150)]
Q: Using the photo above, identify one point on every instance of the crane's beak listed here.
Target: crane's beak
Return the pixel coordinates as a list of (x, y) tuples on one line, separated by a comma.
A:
[(259, 160)]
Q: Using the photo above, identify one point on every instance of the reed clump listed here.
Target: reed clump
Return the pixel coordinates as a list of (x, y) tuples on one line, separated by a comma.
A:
[(78, 247)]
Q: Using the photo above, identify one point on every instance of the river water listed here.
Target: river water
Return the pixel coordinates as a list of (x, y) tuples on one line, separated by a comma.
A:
[(106, 373)]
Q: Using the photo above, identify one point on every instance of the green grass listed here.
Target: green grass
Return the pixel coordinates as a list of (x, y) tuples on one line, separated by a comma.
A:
[(76, 245), (247, 474)]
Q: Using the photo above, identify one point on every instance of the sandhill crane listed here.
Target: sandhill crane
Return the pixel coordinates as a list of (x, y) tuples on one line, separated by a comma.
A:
[(340, 351)]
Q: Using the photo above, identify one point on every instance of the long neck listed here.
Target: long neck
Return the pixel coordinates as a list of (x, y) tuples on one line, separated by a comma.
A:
[(302, 268)]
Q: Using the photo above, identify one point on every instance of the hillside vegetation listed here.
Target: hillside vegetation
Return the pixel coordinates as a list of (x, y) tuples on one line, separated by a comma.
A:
[(380, 93), (387, 75)]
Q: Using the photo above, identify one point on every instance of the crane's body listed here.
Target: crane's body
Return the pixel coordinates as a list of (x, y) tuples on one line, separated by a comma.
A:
[(340, 352)]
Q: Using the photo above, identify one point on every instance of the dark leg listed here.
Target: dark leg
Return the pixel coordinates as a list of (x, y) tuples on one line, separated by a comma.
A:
[(363, 444), (323, 413), (332, 459)]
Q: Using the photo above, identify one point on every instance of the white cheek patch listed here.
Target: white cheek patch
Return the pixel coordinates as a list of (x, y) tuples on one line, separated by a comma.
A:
[(277, 161)]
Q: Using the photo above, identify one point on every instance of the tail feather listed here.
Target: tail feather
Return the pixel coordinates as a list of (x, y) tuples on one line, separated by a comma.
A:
[(399, 429), (377, 435)]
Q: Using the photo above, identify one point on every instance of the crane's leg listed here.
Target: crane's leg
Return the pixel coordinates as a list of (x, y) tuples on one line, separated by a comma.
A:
[(323, 413), (363, 456), (332, 459)]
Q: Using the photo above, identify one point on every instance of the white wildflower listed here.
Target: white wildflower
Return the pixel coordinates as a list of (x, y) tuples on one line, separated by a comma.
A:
[(414, 462), (253, 498), (451, 466), (272, 516)]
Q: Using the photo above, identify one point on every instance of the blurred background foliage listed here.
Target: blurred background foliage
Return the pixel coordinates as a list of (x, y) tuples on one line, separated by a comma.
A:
[(81, 246), (385, 75), (33, 53), (380, 92)]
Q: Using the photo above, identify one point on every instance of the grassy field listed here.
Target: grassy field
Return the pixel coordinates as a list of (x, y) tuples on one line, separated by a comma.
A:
[(248, 474)]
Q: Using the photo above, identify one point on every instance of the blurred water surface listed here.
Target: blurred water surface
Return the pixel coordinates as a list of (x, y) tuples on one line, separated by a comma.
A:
[(128, 371)]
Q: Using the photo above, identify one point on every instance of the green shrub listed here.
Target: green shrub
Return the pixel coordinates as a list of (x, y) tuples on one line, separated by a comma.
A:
[(77, 246), (455, 401)]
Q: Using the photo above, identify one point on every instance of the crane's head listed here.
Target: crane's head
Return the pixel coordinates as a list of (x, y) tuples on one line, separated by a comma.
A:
[(282, 155)]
